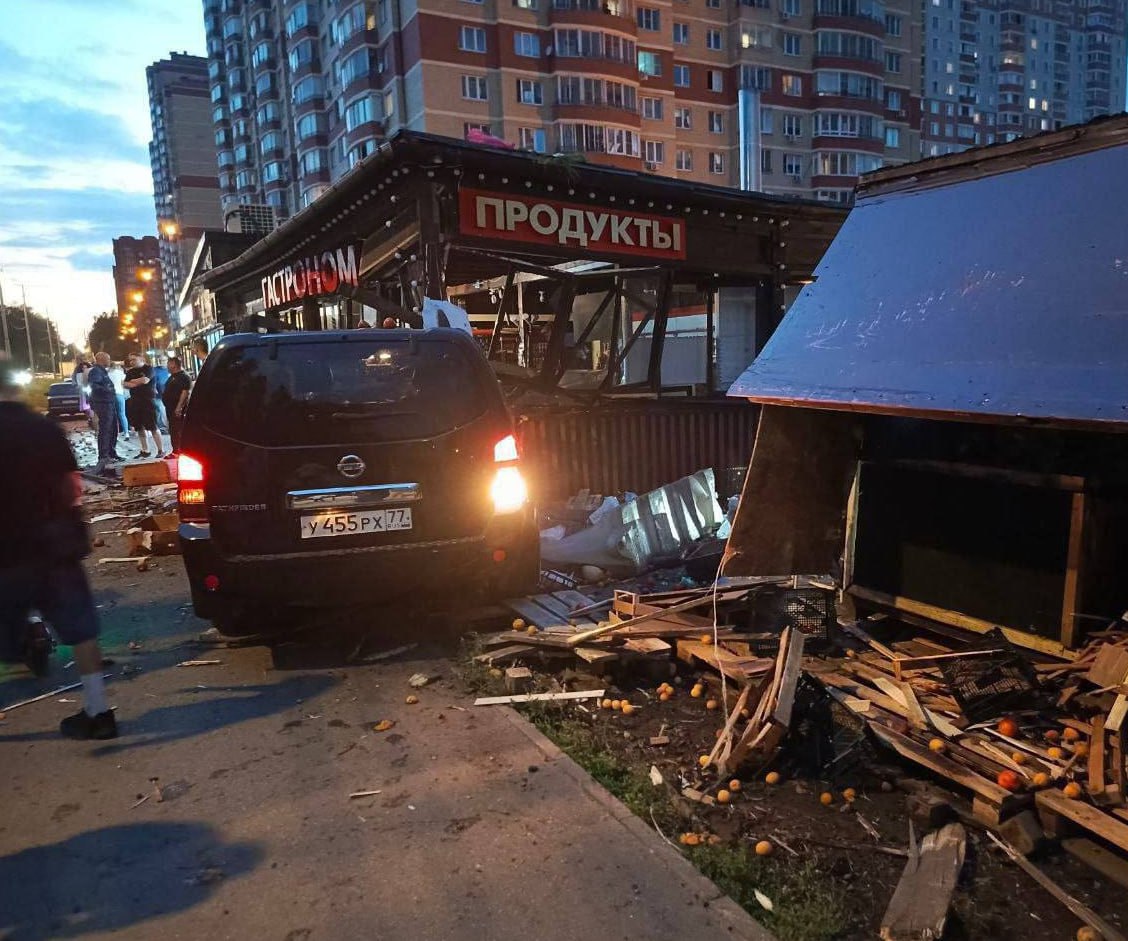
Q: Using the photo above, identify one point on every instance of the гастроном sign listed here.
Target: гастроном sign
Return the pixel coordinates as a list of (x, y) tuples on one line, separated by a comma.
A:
[(519, 218), (314, 276)]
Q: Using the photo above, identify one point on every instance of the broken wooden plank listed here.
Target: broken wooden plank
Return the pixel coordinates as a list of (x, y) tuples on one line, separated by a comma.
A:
[(534, 614), (789, 679), (554, 605), (647, 646), (595, 655), (1108, 864), (737, 669), (1109, 667), (919, 907), (1116, 714), (1096, 782), (1052, 802), (584, 636), (1087, 915), (504, 654), (540, 697)]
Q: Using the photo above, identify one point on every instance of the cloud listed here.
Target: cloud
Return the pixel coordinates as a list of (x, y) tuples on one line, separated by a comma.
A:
[(46, 128)]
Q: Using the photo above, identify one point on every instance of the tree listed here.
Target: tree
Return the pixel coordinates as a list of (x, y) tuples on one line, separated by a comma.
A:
[(18, 319), (104, 336)]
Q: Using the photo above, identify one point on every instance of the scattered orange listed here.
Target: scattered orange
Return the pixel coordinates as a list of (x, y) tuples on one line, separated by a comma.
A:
[(616, 704), (1072, 790), (1055, 753), (628, 708), (936, 744), (849, 794), (1070, 734), (1008, 727), (1018, 757), (706, 638), (772, 777), (1052, 735), (664, 696), (745, 714), (703, 761), (605, 704), (851, 654), (411, 700), (735, 785), (710, 704), (764, 848), (518, 624), (690, 839), (383, 725), (723, 796), (1009, 780), (1081, 749), (1088, 933), (1040, 779), (826, 798), (531, 629), (697, 691)]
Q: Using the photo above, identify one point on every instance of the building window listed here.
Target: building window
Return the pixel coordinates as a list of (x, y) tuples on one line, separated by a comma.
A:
[(683, 160), (792, 126), (713, 4), (273, 140), (245, 179), (526, 44), (792, 84), (893, 100), (716, 162), (309, 88), (649, 63), (313, 161), (713, 40), (261, 54), (573, 90), (272, 172), (529, 92), (681, 33), (756, 77), (848, 85), (652, 108), (793, 165), (532, 138), (681, 76), (766, 115), (361, 150), (301, 54), (893, 137), (714, 80), (683, 119), (264, 85), (792, 44), (765, 160), (893, 62), (352, 68), (847, 124), (790, 8), (267, 113), (892, 24), (358, 112), (525, 4), (598, 138), (472, 39), (654, 152), (716, 122), (306, 127), (299, 18), (845, 163), (471, 126), (586, 43), (649, 18), (474, 88)]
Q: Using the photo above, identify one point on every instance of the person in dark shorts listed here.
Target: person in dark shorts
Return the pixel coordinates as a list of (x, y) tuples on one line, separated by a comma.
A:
[(175, 397), (43, 546), (141, 409)]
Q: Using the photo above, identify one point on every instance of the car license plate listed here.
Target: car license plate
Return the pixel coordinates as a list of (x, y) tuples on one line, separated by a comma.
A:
[(360, 522)]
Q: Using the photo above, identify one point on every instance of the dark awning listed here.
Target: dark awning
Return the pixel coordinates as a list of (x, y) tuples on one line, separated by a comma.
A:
[(988, 286)]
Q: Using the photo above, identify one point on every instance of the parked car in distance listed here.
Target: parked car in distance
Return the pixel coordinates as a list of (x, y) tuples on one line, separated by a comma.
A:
[(63, 400), (326, 469)]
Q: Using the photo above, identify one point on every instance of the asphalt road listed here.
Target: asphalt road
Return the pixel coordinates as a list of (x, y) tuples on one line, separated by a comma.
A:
[(477, 830)]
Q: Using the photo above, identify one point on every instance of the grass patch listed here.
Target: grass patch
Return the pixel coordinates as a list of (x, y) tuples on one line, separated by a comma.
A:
[(808, 904), (475, 676)]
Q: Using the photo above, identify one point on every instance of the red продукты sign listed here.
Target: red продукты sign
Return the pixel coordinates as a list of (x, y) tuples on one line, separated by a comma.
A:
[(518, 218)]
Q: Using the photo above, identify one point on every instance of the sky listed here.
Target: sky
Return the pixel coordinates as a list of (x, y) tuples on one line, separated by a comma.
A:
[(74, 134)]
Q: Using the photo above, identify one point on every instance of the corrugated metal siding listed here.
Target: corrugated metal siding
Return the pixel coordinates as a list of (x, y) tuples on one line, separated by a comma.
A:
[(635, 446)]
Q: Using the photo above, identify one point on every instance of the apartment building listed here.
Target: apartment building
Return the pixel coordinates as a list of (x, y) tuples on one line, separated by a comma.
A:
[(995, 70), (786, 96), (138, 286), (183, 161)]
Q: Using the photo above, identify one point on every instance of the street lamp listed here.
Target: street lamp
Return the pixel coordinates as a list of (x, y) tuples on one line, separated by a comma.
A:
[(170, 229), (145, 274)]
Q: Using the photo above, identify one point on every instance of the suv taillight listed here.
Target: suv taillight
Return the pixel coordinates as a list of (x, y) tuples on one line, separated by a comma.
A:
[(509, 491), (191, 495)]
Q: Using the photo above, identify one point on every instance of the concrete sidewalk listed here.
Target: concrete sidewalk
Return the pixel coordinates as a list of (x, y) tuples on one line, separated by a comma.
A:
[(482, 829)]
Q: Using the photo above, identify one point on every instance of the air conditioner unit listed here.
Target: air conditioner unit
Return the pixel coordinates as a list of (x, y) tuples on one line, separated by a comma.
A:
[(791, 137), (784, 16), (797, 180), (650, 165)]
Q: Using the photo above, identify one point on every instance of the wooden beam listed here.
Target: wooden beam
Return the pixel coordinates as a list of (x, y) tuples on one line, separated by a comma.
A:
[(1073, 570), (1086, 816), (919, 907)]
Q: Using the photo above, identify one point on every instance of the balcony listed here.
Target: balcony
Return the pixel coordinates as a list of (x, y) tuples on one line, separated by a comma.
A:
[(616, 8), (858, 22)]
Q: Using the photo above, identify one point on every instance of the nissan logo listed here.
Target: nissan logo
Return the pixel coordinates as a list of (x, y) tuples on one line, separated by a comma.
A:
[(351, 466)]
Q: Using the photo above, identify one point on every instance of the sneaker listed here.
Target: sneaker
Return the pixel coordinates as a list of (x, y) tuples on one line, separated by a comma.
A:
[(82, 726)]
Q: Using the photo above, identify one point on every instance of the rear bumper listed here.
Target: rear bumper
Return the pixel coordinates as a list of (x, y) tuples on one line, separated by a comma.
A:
[(439, 574)]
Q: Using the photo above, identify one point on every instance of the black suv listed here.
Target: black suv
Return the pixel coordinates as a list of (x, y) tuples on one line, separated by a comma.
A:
[(350, 467)]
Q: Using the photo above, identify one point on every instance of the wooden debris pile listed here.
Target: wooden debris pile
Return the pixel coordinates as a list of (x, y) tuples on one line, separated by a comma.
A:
[(1055, 743)]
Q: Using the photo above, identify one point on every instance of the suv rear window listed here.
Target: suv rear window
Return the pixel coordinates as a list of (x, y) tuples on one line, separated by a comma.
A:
[(63, 388), (329, 392)]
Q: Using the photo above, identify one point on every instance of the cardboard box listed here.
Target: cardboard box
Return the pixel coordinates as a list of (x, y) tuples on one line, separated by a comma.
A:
[(146, 475)]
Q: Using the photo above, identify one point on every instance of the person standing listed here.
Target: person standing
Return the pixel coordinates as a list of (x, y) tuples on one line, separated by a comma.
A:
[(104, 402), (41, 554), (117, 376), (160, 377), (142, 408), (175, 398)]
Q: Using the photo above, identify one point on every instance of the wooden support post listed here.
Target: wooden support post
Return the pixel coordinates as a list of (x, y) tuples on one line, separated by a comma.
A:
[(495, 336), (658, 334), (311, 314), (430, 243), (1074, 558), (1096, 783), (553, 366)]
